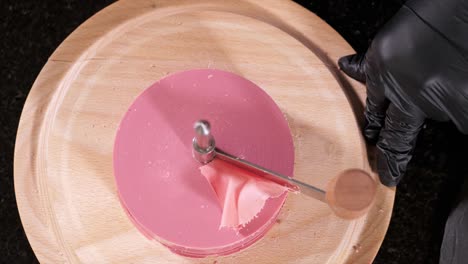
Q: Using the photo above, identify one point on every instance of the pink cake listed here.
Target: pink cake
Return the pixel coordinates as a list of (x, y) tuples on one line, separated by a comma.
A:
[(161, 185)]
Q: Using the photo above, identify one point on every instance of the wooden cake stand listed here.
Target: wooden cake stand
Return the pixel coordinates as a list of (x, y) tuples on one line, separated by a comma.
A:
[(64, 181)]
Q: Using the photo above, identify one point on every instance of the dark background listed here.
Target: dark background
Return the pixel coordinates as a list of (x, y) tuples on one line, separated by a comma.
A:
[(31, 30)]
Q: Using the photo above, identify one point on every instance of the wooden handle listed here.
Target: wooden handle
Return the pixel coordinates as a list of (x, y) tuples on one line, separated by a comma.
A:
[(351, 193)]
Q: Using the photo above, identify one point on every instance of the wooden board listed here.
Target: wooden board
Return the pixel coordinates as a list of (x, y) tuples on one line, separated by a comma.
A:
[(64, 183)]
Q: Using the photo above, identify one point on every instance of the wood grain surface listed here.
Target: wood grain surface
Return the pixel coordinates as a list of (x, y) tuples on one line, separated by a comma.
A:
[(64, 182)]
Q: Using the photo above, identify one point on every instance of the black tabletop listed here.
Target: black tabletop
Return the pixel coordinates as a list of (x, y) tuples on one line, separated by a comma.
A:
[(31, 30)]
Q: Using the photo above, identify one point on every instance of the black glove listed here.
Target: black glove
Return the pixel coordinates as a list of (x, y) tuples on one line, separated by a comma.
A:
[(415, 68)]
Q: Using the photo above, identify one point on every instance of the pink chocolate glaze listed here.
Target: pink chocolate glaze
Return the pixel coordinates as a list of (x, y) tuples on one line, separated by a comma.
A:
[(160, 184)]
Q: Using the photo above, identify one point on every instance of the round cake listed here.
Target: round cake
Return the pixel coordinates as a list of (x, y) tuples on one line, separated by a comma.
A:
[(160, 184)]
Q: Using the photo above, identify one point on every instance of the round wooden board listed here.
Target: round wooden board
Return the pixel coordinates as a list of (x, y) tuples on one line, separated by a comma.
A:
[(64, 182)]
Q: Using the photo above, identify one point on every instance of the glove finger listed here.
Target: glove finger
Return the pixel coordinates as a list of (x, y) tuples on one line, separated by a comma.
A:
[(376, 108), (396, 143), (353, 66)]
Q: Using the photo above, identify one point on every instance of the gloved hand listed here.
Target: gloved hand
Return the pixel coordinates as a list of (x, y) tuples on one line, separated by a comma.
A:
[(415, 69)]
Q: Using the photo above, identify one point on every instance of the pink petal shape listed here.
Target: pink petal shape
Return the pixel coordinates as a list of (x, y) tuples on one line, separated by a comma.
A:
[(241, 193)]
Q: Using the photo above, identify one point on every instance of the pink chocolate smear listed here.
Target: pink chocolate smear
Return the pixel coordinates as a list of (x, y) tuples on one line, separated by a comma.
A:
[(241, 193), (160, 184)]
